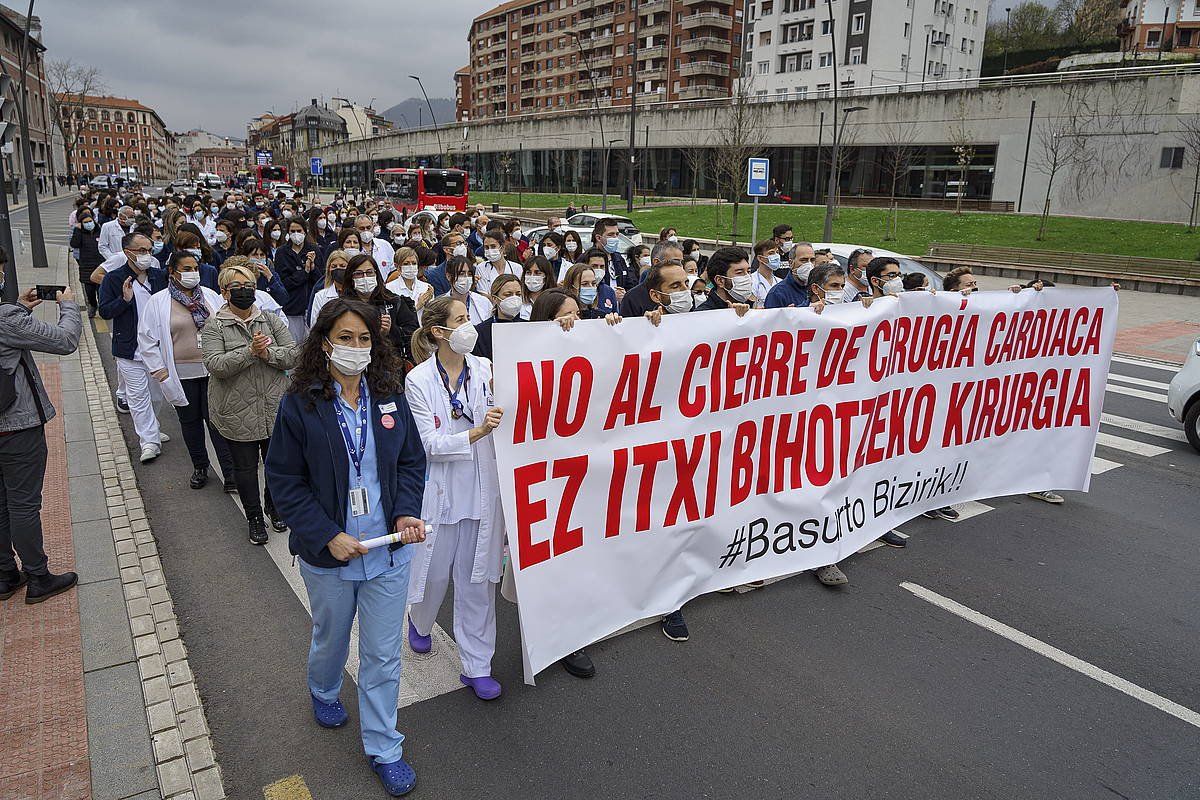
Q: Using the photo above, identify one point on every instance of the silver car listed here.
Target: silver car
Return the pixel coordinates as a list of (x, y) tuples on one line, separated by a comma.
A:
[(1183, 396)]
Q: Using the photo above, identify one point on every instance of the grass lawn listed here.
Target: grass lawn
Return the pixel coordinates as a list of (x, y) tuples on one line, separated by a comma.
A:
[(553, 201), (917, 229)]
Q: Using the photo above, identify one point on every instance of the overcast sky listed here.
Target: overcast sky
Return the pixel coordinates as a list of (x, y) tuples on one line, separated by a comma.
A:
[(214, 64)]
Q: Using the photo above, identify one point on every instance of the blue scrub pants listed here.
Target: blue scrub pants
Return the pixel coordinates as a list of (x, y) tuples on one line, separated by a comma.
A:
[(379, 603)]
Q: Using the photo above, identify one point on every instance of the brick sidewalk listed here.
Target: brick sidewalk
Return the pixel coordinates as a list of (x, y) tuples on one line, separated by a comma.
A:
[(43, 723)]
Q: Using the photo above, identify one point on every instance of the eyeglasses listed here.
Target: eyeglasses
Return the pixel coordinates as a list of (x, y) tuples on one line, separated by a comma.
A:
[(361, 274), (238, 285), (141, 251)]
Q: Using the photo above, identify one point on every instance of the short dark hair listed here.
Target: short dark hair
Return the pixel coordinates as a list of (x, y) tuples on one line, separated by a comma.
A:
[(549, 302), (724, 258), (127, 239), (854, 254), (459, 218), (780, 229), (914, 281), (876, 266), (764, 246), (593, 252), (953, 278), (604, 222), (823, 272), (654, 278)]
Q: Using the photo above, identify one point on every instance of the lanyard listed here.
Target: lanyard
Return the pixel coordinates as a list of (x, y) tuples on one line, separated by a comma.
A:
[(355, 453), (457, 409)]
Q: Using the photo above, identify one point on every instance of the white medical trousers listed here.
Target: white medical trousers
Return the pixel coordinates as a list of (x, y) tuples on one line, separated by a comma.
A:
[(141, 401)]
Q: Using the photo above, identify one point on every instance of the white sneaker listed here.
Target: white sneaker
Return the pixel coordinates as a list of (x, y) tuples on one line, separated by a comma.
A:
[(162, 437), (149, 453), (1054, 498)]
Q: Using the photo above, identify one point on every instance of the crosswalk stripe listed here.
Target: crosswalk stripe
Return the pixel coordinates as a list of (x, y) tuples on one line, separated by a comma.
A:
[(1149, 428), (1102, 465), (1132, 381), (1130, 445), (1138, 362), (1156, 396), (971, 509)]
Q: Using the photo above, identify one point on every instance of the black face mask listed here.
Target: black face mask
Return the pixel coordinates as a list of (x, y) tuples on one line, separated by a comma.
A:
[(242, 297), (338, 274)]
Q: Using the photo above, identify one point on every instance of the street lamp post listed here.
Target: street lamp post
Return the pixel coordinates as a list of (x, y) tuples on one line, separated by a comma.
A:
[(633, 68), (437, 129), (835, 170), (1007, 37), (599, 116), (604, 178), (925, 64)]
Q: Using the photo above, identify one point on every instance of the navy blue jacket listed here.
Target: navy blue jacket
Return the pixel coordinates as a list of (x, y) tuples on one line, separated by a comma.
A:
[(308, 470), (123, 313), (436, 277), (787, 294), (289, 266), (208, 277)]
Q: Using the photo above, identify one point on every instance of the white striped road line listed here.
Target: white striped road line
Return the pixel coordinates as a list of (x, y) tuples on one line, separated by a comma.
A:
[(1159, 397), (1148, 428), (1051, 652), (1140, 362), (971, 509), (1132, 381), (422, 676), (1102, 465), (1130, 445)]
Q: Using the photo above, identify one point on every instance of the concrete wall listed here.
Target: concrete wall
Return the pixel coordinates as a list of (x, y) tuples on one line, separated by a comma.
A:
[(1120, 122)]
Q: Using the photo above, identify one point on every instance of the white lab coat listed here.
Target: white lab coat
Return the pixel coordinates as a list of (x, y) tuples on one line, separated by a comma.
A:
[(111, 234), (399, 287), (431, 410), (155, 348), (207, 226), (384, 255), (322, 296), (486, 272)]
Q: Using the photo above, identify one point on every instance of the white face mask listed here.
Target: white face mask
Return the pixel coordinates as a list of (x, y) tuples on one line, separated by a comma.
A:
[(673, 238), (365, 284), (189, 280), (801, 271), (831, 297), (366, 236), (681, 302), (644, 261), (349, 360), (599, 273), (322, 223), (459, 250), (145, 262), (534, 283), (222, 237), (276, 234), (571, 247), (351, 251), (787, 246), (462, 339), (296, 238), (331, 219), (742, 288), (893, 287), (462, 285), (492, 254), (511, 305), (699, 299), (550, 253), (408, 271), (287, 214)]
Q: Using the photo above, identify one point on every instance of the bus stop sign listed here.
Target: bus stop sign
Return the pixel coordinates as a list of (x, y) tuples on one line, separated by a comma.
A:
[(758, 175), (315, 167)]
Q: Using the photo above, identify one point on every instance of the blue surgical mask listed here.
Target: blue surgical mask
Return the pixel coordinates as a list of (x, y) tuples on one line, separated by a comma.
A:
[(195, 251), (157, 247), (612, 243), (587, 294), (773, 261)]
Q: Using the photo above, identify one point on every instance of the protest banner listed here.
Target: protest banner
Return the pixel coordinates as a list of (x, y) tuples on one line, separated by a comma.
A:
[(643, 466)]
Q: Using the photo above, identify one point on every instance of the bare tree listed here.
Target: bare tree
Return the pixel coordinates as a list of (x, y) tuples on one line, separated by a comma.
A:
[(898, 156), (737, 136), (69, 86), (1061, 146), (1190, 137), (963, 140), (695, 155)]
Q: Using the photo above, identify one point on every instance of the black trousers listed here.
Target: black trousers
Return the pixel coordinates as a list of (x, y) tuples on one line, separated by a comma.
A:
[(193, 418), (246, 457), (90, 290), (22, 469)]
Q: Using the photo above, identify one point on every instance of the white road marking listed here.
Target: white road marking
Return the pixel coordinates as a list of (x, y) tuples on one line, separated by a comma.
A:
[(1102, 465), (971, 509), (1149, 428), (1054, 654), (1140, 362), (1158, 397), (1130, 445), (1132, 381)]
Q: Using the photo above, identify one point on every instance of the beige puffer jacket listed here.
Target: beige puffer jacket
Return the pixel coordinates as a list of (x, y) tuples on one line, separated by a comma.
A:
[(244, 390)]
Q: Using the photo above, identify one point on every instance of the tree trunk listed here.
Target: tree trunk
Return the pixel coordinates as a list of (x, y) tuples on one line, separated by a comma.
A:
[(733, 235), (891, 215), (1195, 192), (1045, 211), (962, 187)]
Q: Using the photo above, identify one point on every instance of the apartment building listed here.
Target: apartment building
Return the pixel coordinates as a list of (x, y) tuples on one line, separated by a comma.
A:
[(361, 121), (537, 56), (116, 133), (790, 45), (1160, 26)]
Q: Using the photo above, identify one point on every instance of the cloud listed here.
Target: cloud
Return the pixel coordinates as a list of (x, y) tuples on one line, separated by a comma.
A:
[(218, 63)]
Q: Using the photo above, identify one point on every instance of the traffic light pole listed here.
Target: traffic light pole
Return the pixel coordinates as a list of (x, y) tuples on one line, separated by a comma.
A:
[(6, 241)]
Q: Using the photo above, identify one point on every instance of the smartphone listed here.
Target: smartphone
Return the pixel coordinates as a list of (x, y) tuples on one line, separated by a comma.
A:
[(45, 292)]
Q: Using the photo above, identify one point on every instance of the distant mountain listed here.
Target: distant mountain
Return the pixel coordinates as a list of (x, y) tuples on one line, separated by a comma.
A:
[(416, 113)]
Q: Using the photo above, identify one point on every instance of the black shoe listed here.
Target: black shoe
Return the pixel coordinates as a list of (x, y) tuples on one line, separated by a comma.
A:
[(277, 524), (674, 628), (91, 312), (10, 582), (43, 587), (230, 486), (893, 539), (579, 665), (948, 513), (258, 531), (122, 406), (199, 478)]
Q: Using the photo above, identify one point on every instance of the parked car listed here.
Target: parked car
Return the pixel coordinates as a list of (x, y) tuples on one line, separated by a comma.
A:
[(907, 263), (181, 185), (288, 190), (105, 182), (535, 236), (1183, 396), (587, 221)]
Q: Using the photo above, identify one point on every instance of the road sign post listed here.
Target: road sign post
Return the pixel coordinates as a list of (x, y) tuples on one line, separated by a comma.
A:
[(7, 131), (316, 168), (758, 178)]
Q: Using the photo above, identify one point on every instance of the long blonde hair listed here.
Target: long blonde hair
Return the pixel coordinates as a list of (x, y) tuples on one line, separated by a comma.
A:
[(435, 314)]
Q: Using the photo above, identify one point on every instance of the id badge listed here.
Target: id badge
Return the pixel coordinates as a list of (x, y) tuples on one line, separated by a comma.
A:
[(360, 504)]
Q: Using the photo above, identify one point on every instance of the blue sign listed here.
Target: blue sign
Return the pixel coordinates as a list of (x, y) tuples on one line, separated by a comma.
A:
[(758, 176), (262, 157), (315, 167)]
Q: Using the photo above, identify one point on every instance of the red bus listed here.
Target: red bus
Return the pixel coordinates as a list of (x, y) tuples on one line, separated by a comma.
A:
[(411, 190), (267, 174)]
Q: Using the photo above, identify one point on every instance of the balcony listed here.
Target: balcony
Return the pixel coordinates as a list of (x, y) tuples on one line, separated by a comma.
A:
[(652, 6), (653, 73), (657, 51), (594, 21), (595, 41), (657, 29), (702, 93), (707, 19), (704, 68), (798, 46), (703, 43), (686, 3)]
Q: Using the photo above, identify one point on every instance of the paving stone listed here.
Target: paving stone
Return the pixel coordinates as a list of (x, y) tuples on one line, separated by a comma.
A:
[(192, 724), (154, 579), (200, 753), (167, 631), (163, 612), (174, 651), (121, 758), (161, 716), (158, 594), (142, 625), (138, 607), (103, 625), (125, 545), (134, 590), (156, 690), (208, 784), (152, 666), (179, 672), (174, 777), (145, 645), (87, 499), (186, 697), (129, 561), (167, 745), (94, 551)]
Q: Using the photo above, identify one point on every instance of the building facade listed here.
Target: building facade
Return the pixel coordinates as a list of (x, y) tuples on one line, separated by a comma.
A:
[(1159, 26), (291, 136), (223, 161), (361, 121), (462, 94), (118, 132), (189, 142), (789, 50), (42, 139), (540, 56)]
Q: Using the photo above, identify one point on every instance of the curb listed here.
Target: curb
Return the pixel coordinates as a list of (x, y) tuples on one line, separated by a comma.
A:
[(183, 753)]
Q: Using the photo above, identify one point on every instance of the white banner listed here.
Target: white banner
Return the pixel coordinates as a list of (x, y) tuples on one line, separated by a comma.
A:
[(641, 467)]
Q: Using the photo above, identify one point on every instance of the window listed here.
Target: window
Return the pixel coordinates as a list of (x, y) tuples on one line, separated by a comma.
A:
[(764, 37), (824, 27), (855, 55), (826, 60), (768, 7), (906, 30), (764, 67), (1153, 38), (858, 23), (801, 92), (1172, 158)]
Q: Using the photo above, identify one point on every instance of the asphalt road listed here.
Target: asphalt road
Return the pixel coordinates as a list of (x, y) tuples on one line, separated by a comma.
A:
[(793, 691)]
